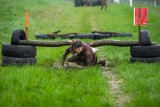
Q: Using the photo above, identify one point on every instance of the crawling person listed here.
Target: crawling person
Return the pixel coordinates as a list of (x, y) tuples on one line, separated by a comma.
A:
[(82, 55)]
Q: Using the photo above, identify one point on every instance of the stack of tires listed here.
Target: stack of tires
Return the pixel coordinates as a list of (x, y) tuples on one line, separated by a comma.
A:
[(14, 54), (146, 52)]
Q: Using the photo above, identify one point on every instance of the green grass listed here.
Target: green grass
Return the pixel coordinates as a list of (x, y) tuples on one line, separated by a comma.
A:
[(142, 82), (41, 86), (44, 85)]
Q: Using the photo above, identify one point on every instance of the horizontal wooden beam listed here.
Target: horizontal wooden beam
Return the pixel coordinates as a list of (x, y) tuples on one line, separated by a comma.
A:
[(66, 43), (113, 43), (44, 43)]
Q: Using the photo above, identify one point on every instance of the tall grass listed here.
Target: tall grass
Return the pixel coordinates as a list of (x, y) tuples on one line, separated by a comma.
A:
[(46, 86)]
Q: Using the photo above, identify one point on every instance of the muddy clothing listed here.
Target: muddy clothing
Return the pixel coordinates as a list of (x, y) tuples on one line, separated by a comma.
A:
[(85, 58)]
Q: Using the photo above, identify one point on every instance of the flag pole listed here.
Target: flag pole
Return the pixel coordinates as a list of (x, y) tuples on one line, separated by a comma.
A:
[(139, 26), (27, 24)]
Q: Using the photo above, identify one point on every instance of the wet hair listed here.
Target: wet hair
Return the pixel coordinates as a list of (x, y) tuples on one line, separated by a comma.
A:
[(76, 44)]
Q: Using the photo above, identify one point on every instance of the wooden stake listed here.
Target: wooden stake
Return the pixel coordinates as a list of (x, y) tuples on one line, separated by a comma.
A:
[(139, 35), (139, 26), (27, 25)]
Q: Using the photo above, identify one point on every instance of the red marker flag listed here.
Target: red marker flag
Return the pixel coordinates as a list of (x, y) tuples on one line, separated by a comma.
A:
[(140, 16)]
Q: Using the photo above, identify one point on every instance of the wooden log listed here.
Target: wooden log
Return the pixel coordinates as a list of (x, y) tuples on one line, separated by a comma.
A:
[(56, 32), (44, 43), (113, 43), (66, 43), (54, 35), (104, 32)]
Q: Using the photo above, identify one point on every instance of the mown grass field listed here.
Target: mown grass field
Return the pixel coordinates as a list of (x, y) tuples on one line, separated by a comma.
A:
[(44, 85)]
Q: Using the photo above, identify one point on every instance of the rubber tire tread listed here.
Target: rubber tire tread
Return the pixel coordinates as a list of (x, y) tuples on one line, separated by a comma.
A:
[(19, 51), (18, 35), (17, 61), (145, 60), (145, 51), (145, 39)]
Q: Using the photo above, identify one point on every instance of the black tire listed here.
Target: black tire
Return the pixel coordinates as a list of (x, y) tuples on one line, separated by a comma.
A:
[(17, 61), (20, 51), (18, 35), (145, 60), (145, 51), (145, 39)]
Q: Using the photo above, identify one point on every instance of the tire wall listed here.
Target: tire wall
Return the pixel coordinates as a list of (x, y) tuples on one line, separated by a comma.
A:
[(18, 55)]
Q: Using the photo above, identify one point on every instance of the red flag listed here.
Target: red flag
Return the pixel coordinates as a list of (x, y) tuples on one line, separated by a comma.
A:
[(140, 16)]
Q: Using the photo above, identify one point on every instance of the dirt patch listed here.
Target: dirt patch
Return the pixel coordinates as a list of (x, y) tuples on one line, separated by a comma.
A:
[(114, 82), (66, 66)]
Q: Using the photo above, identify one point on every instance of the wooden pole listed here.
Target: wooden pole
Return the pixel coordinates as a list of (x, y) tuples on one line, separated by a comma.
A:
[(44, 43), (26, 33), (26, 25), (119, 43), (66, 43), (139, 26), (139, 35)]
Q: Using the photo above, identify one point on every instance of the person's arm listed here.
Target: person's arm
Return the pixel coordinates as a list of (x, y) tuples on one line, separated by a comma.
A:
[(65, 55)]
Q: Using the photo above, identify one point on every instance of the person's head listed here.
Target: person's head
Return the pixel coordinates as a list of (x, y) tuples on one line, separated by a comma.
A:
[(77, 46)]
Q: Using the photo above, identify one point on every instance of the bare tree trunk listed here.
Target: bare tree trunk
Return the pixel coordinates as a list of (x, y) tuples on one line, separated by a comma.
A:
[(93, 44), (113, 43)]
